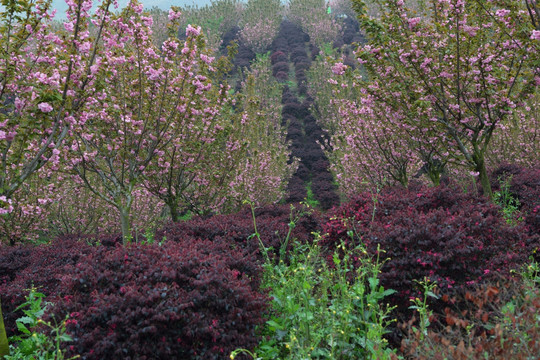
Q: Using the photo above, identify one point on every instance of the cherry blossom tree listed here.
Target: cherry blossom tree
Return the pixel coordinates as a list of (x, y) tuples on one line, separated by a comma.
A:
[(261, 20), (233, 153), (142, 106), (215, 19), (460, 72), (45, 78), (264, 172), (313, 17)]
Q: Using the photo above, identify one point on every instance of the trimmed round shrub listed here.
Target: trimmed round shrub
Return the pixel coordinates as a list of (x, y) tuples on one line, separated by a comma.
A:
[(281, 76), (280, 66), (302, 172), (280, 44), (297, 190), (294, 134), (295, 109), (288, 96), (278, 56), (302, 66)]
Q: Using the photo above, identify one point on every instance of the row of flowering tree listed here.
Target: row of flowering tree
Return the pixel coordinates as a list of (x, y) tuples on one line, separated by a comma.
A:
[(436, 88), (100, 111)]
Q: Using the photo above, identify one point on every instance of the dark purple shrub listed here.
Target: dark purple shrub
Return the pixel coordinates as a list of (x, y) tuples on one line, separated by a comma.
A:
[(302, 172), (312, 154), (299, 51), (294, 123), (280, 44), (296, 110), (281, 76), (311, 126), (320, 166), (294, 134), (338, 43), (301, 60), (280, 67), (301, 76), (303, 66), (229, 36), (310, 119), (525, 187), (22, 267), (287, 96), (302, 89), (315, 134), (323, 177), (297, 190), (278, 56), (272, 224), (244, 56), (453, 238), (350, 62), (314, 51), (324, 189), (183, 300)]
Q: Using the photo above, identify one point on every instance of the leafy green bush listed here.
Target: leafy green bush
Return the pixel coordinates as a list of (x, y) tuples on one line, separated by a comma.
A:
[(39, 339), (323, 312)]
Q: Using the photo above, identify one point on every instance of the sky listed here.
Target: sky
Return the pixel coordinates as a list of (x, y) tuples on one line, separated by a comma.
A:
[(60, 5)]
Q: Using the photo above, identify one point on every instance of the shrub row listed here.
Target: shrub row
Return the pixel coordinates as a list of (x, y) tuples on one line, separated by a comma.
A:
[(195, 297), (453, 238)]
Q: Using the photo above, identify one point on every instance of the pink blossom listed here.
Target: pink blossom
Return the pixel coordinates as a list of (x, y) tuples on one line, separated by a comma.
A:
[(413, 22), (45, 107), (535, 35), (5, 205), (193, 31), (173, 15), (502, 12), (339, 68)]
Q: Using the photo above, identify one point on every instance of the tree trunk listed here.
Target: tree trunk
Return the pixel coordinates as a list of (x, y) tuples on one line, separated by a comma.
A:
[(484, 178), (126, 228), (4, 346), (173, 208)]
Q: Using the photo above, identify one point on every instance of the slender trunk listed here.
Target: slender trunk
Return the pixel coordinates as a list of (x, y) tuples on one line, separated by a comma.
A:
[(435, 178), (173, 208), (484, 178), (4, 346), (126, 228)]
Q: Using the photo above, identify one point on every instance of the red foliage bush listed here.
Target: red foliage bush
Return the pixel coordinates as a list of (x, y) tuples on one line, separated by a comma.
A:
[(296, 190), (301, 66), (281, 76), (183, 300), (295, 109), (525, 187), (453, 238), (324, 190), (195, 297), (272, 225), (280, 67), (302, 172), (280, 43), (278, 56), (22, 267)]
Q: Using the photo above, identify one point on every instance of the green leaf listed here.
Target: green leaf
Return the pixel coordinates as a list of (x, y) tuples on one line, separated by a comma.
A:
[(274, 325), (26, 320), (23, 328), (389, 292)]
